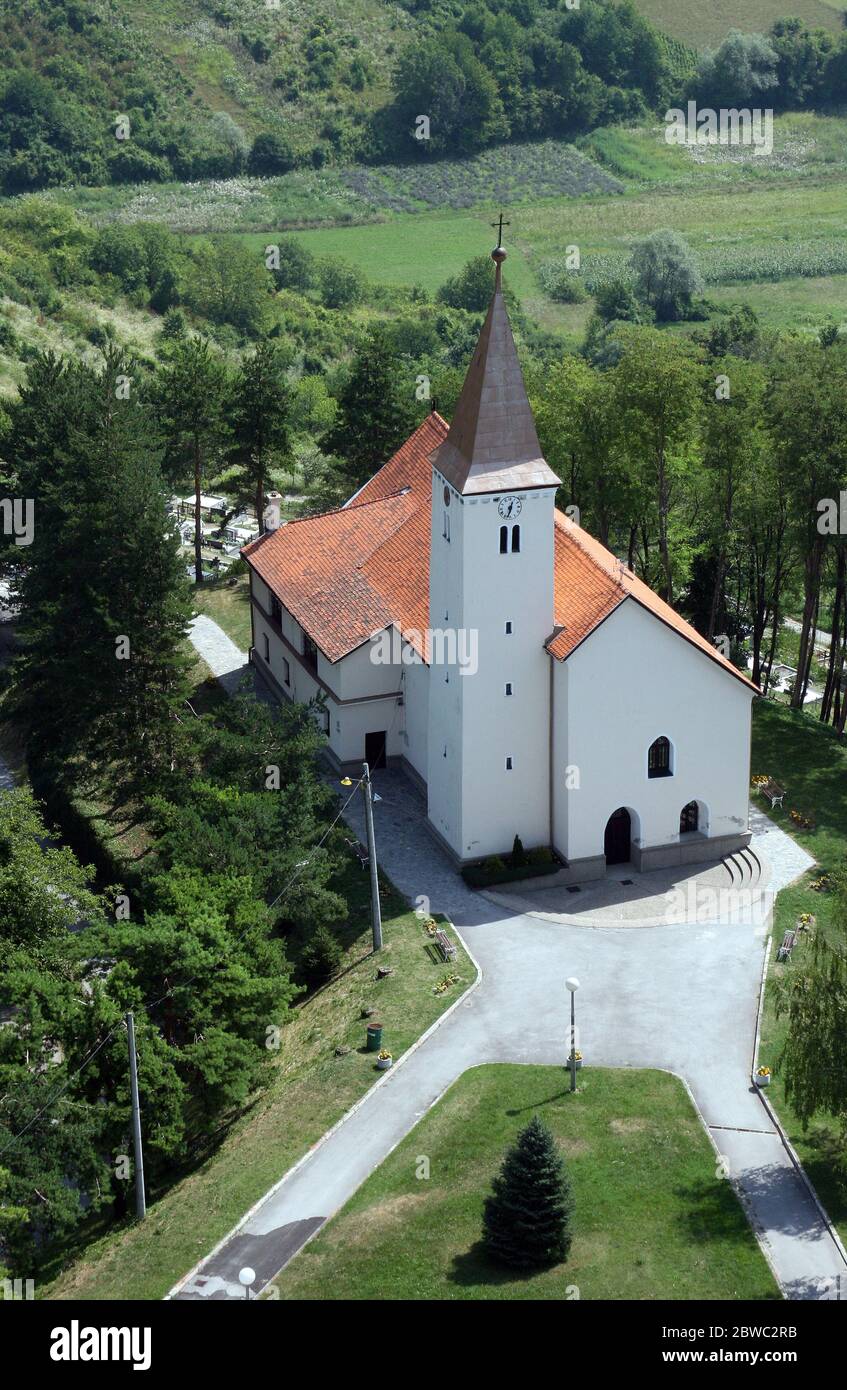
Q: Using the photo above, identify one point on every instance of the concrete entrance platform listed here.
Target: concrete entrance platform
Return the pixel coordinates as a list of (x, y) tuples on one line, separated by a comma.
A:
[(664, 897)]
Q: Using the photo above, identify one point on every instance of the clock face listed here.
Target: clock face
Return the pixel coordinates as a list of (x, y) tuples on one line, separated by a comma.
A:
[(509, 507), (447, 497)]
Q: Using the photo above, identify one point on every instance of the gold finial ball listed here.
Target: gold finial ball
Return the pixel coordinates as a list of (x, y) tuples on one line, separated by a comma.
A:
[(498, 255)]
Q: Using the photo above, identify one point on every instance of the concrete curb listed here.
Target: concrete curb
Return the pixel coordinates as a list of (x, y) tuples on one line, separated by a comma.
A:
[(329, 1133)]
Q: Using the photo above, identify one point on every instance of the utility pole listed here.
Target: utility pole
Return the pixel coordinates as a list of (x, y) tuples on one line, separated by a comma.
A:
[(376, 915), (140, 1202)]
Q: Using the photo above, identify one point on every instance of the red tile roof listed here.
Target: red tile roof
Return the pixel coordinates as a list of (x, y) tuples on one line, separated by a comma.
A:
[(590, 583), (348, 573), (351, 572)]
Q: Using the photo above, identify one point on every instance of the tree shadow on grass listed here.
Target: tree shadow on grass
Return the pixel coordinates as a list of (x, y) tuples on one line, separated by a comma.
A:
[(711, 1211), (475, 1268), (536, 1104)]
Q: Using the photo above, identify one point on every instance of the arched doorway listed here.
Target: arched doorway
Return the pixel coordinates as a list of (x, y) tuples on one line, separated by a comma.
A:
[(618, 837)]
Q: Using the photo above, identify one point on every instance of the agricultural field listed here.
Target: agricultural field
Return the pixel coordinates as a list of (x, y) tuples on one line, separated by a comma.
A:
[(614, 160), (704, 23), (750, 246)]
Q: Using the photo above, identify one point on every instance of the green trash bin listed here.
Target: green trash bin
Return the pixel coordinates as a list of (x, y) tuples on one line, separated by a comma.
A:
[(374, 1037)]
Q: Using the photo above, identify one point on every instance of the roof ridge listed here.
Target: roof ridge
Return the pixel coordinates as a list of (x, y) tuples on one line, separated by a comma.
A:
[(331, 511), (576, 534)]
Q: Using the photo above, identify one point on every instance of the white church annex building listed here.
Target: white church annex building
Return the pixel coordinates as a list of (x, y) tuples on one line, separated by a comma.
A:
[(461, 627)]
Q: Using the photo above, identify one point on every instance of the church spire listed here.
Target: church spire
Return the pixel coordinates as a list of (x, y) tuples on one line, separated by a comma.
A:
[(492, 445)]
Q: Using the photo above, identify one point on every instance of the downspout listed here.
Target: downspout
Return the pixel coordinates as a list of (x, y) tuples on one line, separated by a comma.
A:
[(550, 753)]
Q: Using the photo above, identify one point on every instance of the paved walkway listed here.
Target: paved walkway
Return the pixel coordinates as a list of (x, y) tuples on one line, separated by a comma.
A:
[(219, 652), (682, 997)]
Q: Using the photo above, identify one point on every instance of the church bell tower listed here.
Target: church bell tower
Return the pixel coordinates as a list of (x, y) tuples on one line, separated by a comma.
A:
[(490, 608)]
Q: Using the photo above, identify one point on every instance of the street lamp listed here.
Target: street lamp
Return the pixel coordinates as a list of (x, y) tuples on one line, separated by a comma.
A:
[(572, 985), (246, 1278)]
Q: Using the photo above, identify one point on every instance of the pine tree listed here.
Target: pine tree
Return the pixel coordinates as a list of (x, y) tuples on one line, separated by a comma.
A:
[(191, 409), (104, 600), (526, 1220), (259, 422), (377, 409)]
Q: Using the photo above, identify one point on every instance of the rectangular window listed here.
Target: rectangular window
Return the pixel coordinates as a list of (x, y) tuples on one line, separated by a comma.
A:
[(508, 628), (267, 648), (310, 653), (508, 764), (276, 610), (508, 687), (286, 672)]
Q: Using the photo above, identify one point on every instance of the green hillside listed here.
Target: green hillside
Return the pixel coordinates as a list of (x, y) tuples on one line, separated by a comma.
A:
[(101, 93)]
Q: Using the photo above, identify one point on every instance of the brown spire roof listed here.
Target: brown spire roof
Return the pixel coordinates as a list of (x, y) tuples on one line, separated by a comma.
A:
[(492, 445)]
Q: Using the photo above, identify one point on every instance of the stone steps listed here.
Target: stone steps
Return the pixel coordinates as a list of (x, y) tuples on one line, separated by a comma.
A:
[(743, 868)]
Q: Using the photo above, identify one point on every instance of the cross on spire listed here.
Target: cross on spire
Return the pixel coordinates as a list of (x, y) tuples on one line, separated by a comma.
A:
[(500, 225)]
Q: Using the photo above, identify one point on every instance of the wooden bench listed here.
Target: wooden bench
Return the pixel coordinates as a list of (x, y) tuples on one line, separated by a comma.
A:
[(773, 791), (789, 941), (360, 852), (444, 944)]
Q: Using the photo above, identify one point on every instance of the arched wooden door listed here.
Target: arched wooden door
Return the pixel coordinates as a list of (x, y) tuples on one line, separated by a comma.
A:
[(616, 844)]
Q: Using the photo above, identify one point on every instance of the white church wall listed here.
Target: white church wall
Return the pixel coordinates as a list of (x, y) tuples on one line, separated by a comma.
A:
[(360, 674), (361, 696), (476, 803), (444, 741), (415, 686), (633, 680), (368, 717), (260, 591)]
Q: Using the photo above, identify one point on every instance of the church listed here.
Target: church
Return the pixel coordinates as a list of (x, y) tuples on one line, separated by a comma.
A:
[(458, 626)]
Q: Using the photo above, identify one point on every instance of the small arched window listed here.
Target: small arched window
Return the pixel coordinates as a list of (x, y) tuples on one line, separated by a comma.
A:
[(659, 758), (689, 818), (516, 540), (504, 540)]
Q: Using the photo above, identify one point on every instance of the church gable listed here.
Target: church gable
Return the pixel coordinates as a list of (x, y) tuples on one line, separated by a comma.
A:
[(590, 583)]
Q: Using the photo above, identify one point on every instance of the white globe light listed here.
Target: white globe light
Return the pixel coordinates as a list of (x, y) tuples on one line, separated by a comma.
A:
[(572, 983), (247, 1276)]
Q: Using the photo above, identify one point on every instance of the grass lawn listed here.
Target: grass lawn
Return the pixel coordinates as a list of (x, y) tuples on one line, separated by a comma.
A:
[(229, 606), (311, 1089), (807, 759), (679, 1233)]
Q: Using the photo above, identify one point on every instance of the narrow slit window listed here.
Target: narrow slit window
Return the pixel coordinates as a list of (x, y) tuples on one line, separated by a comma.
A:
[(508, 628), (267, 648), (508, 687), (508, 764), (516, 540), (504, 540)]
